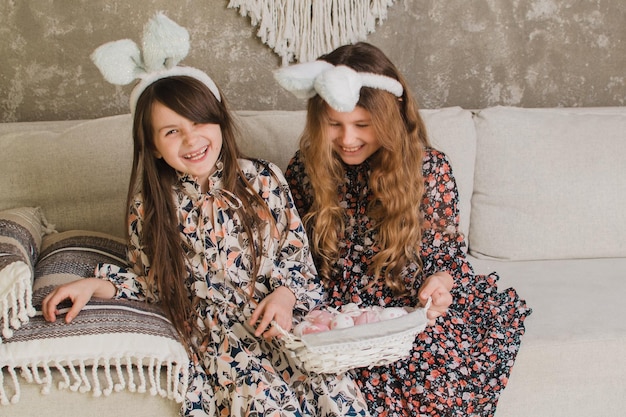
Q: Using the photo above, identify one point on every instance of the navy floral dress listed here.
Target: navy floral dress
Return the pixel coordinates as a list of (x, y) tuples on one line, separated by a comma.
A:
[(240, 374), (459, 366)]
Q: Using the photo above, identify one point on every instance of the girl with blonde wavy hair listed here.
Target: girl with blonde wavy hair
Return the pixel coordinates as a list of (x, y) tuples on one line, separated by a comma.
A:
[(380, 206)]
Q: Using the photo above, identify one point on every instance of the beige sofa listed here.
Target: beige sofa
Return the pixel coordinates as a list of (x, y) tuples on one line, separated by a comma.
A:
[(542, 196)]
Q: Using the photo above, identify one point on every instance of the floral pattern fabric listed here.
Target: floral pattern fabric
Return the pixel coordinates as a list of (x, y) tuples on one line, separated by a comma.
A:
[(457, 367), (240, 374)]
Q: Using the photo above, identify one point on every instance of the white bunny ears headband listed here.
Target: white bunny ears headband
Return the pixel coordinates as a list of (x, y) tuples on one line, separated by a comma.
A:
[(165, 44), (339, 86)]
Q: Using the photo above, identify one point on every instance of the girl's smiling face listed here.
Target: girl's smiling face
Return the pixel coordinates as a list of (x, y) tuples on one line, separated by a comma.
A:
[(352, 134), (189, 147)]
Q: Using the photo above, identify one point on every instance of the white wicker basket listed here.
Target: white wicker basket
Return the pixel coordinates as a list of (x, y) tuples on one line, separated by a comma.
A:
[(366, 345)]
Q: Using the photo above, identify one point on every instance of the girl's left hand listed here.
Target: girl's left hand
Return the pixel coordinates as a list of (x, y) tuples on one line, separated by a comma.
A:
[(436, 286), (277, 306)]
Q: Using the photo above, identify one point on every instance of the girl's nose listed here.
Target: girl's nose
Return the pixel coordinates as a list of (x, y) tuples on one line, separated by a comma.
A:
[(190, 135), (346, 135)]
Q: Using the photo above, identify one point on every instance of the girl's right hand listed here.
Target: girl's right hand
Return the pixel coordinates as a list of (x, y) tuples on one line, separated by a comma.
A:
[(437, 287), (79, 293), (278, 307)]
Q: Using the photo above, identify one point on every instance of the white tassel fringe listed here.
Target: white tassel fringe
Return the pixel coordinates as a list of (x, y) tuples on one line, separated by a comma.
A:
[(302, 30), (100, 383), (16, 301)]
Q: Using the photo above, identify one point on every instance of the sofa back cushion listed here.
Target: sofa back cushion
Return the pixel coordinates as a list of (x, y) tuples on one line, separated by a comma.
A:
[(78, 171), (452, 131), (549, 184), (271, 134)]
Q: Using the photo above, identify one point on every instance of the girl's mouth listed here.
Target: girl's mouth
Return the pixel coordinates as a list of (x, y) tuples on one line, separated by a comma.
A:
[(351, 149), (196, 155)]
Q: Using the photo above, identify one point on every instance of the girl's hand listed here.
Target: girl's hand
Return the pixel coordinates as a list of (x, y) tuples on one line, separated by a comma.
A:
[(436, 286), (79, 293), (277, 306)]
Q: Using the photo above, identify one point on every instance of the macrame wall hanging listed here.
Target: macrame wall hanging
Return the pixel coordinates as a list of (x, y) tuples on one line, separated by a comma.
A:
[(302, 30)]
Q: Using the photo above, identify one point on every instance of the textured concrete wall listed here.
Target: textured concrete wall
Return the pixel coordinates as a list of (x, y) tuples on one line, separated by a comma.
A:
[(474, 54)]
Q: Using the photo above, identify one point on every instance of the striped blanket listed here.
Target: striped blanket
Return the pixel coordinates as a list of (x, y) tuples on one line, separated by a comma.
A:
[(110, 346)]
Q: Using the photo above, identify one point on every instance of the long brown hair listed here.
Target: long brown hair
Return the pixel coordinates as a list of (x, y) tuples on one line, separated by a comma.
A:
[(396, 178), (154, 179)]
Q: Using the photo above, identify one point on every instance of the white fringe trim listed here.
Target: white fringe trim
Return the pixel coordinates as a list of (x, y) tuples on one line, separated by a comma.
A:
[(302, 30), (16, 303), (99, 379)]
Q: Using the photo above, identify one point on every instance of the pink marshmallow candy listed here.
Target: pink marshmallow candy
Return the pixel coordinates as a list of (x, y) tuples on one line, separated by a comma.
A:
[(350, 315), (341, 321), (367, 316), (306, 327), (392, 313), (320, 316)]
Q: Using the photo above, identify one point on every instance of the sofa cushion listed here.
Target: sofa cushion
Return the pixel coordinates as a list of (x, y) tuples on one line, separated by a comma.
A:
[(271, 134), (549, 184), (452, 131), (76, 172), (21, 232), (573, 354), (131, 342)]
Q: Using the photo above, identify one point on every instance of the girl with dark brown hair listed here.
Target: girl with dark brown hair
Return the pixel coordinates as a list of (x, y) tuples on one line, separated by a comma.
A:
[(215, 238)]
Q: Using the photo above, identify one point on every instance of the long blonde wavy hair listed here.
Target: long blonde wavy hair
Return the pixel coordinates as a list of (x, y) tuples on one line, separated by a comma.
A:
[(396, 178)]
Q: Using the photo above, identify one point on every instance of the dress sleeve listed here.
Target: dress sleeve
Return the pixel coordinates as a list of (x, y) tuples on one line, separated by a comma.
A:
[(131, 282), (293, 263), (443, 244), (298, 184)]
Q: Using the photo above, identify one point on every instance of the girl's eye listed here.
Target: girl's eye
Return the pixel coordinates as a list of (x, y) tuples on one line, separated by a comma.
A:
[(362, 125), (170, 132)]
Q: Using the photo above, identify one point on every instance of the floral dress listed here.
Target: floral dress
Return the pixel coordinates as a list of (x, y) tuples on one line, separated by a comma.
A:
[(457, 367), (240, 374)]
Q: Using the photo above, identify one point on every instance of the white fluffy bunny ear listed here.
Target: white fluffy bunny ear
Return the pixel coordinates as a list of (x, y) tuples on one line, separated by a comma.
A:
[(119, 61), (165, 43), (299, 79), (340, 87)]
